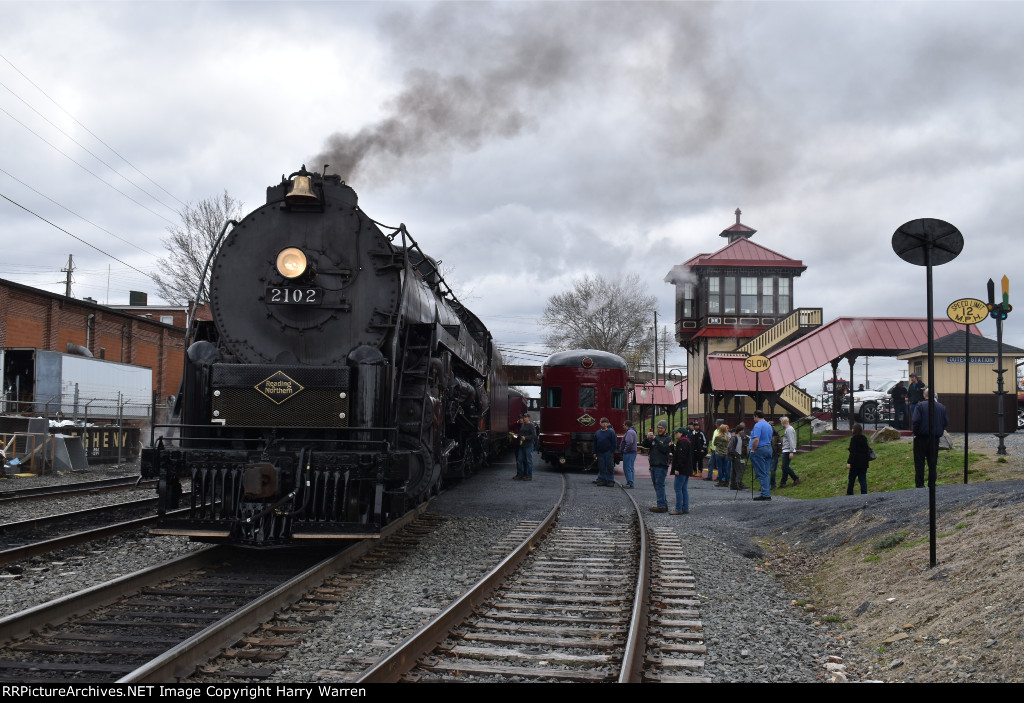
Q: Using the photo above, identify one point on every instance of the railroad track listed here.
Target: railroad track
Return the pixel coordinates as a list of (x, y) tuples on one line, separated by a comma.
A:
[(18, 540), (157, 625), (587, 605), (571, 612), (69, 489), (675, 637)]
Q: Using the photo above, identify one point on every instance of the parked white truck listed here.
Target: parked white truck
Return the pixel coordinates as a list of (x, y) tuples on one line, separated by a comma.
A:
[(45, 382)]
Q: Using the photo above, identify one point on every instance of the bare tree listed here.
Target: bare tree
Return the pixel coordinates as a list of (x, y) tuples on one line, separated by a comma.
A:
[(189, 245), (614, 316)]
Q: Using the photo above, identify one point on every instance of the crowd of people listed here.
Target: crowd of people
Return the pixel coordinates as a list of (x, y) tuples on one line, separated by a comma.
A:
[(682, 453)]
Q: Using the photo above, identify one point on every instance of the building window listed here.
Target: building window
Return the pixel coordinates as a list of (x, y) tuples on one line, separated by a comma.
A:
[(784, 296), (688, 300), (167, 319), (714, 297), (588, 397), (729, 295), (554, 398), (748, 295), (767, 299), (618, 398)]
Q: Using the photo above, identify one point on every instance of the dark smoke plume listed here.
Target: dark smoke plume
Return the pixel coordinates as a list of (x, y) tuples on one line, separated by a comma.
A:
[(484, 72)]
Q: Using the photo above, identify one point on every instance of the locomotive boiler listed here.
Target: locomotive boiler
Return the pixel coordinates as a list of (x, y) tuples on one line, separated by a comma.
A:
[(338, 385)]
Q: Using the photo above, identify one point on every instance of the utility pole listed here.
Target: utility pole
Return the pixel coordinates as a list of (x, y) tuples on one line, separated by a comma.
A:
[(67, 281), (655, 346)]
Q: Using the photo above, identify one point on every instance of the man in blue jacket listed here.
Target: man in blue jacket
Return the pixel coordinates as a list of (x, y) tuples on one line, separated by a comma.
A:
[(923, 450), (605, 444), (524, 452), (761, 454)]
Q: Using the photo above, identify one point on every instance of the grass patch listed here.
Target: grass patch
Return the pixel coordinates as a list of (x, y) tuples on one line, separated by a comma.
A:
[(872, 558), (832, 618), (961, 525), (823, 472), (890, 541)]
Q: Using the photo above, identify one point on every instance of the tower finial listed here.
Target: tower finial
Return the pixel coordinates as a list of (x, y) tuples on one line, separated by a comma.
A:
[(738, 213)]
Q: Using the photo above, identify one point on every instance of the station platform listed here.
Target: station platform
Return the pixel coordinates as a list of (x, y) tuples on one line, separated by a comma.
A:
[(642, 468)]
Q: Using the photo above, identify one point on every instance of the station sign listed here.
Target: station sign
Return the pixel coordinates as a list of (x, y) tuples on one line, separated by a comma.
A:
[(967, 311), (757, 363)]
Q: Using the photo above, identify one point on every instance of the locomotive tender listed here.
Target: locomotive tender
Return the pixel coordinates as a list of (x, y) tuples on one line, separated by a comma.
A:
[(339, 383), (578, 388)]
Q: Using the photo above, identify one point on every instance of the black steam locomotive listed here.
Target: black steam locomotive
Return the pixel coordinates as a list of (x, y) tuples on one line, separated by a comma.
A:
[(339, 383)]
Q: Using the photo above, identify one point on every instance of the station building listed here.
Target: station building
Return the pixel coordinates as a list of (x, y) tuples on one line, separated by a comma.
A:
[(973, 388), (738, 302)]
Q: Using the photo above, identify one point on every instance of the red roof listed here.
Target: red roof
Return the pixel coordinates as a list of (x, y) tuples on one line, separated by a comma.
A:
[(744, 252), (648, 394), (862, 336)]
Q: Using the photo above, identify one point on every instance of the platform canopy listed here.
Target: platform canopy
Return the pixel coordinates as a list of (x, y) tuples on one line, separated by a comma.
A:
[(841, 338)]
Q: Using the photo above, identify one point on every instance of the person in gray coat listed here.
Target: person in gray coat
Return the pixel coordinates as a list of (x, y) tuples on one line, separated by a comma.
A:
[(788, 452)]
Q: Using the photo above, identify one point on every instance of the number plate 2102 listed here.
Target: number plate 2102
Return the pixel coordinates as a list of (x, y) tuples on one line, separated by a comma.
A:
[(279, 295)]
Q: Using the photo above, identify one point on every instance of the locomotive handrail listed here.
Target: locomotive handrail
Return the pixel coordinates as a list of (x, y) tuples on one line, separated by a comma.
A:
[(202, 282)]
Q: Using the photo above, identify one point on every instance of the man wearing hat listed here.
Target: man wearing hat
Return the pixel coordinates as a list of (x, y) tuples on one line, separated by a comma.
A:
[(524, 452), (605, 443), (699, 443), (627, 447), (915, 392), (735, 454), (659, 448)]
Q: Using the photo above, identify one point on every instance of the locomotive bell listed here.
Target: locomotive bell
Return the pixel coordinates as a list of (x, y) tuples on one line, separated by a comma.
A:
[(301, 191)]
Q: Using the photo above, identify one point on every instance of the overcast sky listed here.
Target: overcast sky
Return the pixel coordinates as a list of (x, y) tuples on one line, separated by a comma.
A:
[(526, 144)]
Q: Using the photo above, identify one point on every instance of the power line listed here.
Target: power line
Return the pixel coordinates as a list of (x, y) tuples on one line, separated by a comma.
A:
[(91, 246), (81, 166), (86, 149), (102, 229), (114, 151)]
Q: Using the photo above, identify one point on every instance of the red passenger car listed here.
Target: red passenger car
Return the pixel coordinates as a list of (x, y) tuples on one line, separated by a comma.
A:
[(517, 405), (578, 388)]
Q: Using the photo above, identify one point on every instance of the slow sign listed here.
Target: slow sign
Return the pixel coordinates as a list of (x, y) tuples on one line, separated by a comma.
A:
[(967, 311), (757, 363)]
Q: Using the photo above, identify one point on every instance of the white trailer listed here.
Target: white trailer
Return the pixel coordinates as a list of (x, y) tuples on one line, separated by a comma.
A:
[(45, 382)]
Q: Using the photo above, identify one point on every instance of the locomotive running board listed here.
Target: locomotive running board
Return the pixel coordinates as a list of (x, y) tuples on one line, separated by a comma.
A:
[(188, 533), (354, 535)]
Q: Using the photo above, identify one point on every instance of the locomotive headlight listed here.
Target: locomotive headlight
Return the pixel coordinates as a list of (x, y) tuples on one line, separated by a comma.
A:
[(291, 262)]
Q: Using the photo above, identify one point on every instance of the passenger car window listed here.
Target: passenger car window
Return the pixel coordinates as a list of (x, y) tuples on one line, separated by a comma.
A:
[(554, 398), (588, 397), (618, 398)]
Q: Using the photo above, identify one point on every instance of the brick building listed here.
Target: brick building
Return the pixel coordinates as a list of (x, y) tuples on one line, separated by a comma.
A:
[(34, 318)]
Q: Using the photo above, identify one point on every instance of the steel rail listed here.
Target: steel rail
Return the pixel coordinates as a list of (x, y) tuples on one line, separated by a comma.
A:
[(181, 661), (43, 520), (67, 489), (14, 554), (19, 625), (404, 657), (636, 643)]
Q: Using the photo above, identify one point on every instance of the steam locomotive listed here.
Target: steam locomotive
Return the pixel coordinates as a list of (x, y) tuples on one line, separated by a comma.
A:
[(338, 385)]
